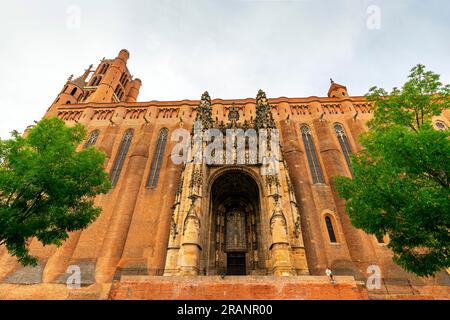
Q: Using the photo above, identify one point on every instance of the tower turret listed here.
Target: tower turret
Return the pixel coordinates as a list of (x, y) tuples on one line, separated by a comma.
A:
[(337, 90), (72, 92), (111, 79), (132, 90), (110, 82)]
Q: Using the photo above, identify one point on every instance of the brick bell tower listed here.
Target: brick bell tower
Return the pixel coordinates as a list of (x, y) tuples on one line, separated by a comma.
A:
[(110, 82)]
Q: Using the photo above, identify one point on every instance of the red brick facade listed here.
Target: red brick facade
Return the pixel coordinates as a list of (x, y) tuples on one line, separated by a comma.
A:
[(131, 237)]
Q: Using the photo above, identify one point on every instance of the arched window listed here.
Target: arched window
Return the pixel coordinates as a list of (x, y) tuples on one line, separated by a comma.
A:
[(123, 79), (117, 91), (343, 141), (330, 230), (104, 68), (157, 159), (96, 81), (92, 139), (121, 155), (73, 91), (88, 94), (311, 154)]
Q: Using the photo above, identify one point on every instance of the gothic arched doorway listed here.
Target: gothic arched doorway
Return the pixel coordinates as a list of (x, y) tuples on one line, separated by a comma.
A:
[(235, 242)]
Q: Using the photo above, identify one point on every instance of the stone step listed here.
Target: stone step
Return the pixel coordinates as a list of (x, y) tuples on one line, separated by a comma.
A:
[(236, 287)]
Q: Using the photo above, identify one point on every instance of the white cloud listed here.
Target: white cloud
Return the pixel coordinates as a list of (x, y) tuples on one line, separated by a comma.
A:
[(230, 48)]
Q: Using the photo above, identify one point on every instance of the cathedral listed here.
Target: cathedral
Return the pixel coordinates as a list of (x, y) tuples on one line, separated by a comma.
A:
[(216, 229)]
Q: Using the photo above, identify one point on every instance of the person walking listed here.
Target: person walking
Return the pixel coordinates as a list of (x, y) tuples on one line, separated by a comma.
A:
[(330, 275)]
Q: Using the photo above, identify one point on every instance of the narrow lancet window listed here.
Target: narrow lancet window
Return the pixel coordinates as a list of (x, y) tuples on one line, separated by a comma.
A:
[(121, 155), (152, 180), (92, 139), (343, 142), (311, 154), (330, 230)]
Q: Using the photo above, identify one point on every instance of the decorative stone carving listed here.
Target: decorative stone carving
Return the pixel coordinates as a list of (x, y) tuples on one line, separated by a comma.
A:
[(263, 118), (300, 109), (261, 98), (233, 114), (192, 217), (135, 113), (196, 179), (173, 229), (167, 112), (272, 180), (204, 112), (246, 125), (290, 187), (180, 187), (277, 215), (297, 227)]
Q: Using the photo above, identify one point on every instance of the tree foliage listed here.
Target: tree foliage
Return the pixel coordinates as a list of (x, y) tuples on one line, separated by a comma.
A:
[(401, 181), (47, 187)]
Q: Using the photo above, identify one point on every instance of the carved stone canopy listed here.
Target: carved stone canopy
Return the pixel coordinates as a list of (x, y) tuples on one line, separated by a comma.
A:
[(263, 118), (261, 98), (205, 99), (204, 111)]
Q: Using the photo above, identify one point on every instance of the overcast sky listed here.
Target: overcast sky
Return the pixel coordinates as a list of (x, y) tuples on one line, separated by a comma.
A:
[(180, 48)]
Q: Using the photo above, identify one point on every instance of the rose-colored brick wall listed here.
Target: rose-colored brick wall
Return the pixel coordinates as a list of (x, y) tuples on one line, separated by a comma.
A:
[(132, 231), (234, 287)]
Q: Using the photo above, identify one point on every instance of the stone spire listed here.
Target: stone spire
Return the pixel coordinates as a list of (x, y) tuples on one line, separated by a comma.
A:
[(336, 90), (86, 73), (263, 118), (81, 80), (204, 111)]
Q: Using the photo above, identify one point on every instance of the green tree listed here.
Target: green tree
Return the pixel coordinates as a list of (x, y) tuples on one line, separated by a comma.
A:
[(401, 180), (47, 187)]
